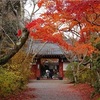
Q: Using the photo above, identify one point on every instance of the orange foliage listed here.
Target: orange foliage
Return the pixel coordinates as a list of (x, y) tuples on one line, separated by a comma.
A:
[(81, 13), (83, 49), (97, 40)]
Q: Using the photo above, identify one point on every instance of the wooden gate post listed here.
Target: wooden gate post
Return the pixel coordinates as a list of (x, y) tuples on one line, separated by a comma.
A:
[(61, 75), (38, 69)]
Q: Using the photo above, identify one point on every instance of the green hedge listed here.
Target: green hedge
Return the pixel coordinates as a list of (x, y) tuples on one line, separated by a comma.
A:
[(10, 82)]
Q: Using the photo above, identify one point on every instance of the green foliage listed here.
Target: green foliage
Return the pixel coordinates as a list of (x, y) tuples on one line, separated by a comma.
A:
[(14, 75), (98, 45), (71, 71), (97, 89), (87, 75), (69, 74), (10, 82), (96, 63), (97, 86), (96, 68)]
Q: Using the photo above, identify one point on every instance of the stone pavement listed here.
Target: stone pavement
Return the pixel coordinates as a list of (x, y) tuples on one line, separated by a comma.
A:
[(53, 90)]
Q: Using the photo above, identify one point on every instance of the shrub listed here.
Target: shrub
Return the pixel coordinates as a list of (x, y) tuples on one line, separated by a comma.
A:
[(69, 74), (71, 71), (15, 74), (85, 74), (88, 75), (9, 82), (21, 63)]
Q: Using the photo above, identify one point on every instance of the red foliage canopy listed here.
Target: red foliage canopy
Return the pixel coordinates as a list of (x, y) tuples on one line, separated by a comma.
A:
[(82, 14)]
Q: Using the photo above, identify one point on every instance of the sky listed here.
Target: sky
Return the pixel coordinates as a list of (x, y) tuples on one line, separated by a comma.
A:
[(29, 7)]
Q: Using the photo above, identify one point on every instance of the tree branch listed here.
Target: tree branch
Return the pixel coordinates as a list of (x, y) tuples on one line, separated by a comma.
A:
[(16, 48), (8, 36)]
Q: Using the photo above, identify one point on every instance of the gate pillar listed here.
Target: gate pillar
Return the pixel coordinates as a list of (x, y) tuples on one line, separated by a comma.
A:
[(61, 75)]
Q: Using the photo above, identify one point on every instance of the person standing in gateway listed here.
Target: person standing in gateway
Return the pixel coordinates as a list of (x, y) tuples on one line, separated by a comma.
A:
[(47, 73)]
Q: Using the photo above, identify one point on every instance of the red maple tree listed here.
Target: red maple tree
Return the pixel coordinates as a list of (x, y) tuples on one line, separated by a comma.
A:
[(80, 18)]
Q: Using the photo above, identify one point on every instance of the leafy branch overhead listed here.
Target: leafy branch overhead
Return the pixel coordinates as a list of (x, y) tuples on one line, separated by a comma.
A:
[(63, 20)]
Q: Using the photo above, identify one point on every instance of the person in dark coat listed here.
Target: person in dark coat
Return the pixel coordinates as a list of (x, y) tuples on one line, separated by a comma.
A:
[(51, 74)]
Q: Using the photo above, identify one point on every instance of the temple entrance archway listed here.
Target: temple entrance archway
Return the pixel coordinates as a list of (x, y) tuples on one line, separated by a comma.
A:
[(50, 57), (50, 64)]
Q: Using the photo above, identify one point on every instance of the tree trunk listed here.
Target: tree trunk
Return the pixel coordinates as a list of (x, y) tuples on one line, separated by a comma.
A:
[(78, 71), (75, 76), (16, 48)]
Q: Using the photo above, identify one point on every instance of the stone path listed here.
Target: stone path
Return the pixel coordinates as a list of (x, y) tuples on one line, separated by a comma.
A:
[(53, 90)]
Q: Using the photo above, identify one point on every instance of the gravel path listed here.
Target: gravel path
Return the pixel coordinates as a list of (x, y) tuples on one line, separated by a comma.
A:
[(53, 90)]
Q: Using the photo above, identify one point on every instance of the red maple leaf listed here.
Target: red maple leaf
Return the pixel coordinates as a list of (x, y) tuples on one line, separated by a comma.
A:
[(19, 33)]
